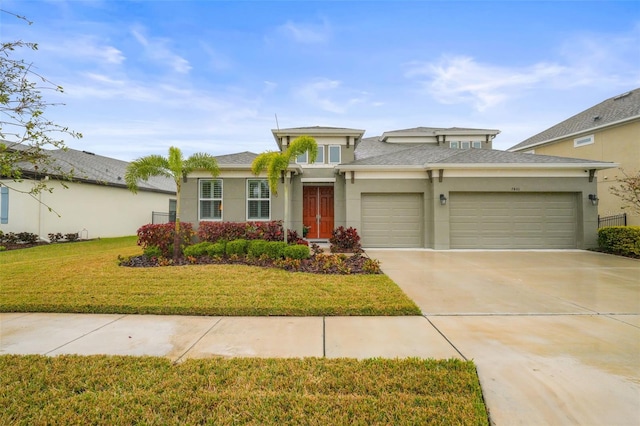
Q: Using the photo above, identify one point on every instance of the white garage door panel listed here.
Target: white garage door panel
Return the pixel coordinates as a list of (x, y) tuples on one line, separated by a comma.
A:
[(391, 220), (508, 220)]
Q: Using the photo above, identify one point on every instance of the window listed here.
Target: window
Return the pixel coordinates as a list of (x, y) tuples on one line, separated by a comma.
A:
[(302, 158), (465, 145), (585, 140), (320, 156), (334, 154), (454, 144), (210, 199), (4, 205), (258, 200), (476, 144)]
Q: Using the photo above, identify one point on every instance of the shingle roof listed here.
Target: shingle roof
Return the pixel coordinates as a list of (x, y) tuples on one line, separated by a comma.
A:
[(373, 152), (618, 108), (240, 159), (97, 169)]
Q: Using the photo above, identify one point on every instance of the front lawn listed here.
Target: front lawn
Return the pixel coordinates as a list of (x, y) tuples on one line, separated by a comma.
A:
[(84, 277), (38, 390)]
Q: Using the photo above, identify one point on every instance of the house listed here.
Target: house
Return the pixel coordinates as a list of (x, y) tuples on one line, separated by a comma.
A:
[(608, 131), (423, 187), (97, 203)]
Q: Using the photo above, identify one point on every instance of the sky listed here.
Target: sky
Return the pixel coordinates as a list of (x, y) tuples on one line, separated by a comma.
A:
[(217, 76)]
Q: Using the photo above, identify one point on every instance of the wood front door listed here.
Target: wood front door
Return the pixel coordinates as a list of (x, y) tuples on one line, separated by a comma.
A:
[(317, 211)]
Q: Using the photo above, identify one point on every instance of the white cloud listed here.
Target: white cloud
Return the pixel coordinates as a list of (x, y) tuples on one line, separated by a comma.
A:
[(157, 50), (329, 95), (459, 79), (586, 60), (305, 32), (85, 49)]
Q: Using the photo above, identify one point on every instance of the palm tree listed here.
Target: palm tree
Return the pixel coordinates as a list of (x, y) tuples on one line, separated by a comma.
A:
[(176, 167), (276, 164)]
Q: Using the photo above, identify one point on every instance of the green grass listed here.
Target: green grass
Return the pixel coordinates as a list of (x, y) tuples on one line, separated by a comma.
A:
[(84, 277), (74, 390)]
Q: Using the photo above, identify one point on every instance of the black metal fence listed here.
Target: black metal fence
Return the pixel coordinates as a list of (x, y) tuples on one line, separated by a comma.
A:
[(163, 217), (615, 220)]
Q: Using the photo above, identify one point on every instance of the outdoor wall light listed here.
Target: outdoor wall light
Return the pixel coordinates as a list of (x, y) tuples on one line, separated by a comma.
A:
[(443, 199), (594, 199)]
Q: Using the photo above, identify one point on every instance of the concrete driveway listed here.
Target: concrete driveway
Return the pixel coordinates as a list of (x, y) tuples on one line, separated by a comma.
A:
[(555, 334)]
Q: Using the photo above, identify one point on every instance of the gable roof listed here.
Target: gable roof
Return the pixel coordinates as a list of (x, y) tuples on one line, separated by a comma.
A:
[(88, 167), (615, 110), (373, 153)]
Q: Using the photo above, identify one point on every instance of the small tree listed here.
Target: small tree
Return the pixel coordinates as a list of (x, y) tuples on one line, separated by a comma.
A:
[(628, 190), (276, 164), (25, 132), (175, 167)]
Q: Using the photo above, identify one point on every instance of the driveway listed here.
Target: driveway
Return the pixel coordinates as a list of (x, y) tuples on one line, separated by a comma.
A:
[(555, 334)]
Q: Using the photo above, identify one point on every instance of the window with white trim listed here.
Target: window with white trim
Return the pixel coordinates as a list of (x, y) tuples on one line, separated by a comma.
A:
[(454, 144), (585, 140), (258, 199), (476, 144), (4, 205), (334, 154), (302, 158), (465, 145), (210, 199), (320, 156)]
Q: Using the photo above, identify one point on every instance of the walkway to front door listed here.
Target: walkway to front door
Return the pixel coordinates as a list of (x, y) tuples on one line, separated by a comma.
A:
[(317, 211)]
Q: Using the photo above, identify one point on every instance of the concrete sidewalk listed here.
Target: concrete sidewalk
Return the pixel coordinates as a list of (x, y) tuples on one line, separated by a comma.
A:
[(184, 337)]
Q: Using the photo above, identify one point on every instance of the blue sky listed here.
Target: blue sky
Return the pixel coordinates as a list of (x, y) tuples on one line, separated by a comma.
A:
[(210, 76)]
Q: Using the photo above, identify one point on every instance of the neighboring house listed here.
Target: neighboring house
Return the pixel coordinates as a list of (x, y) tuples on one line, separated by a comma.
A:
[(423, 187), (97, 203), (609, 131)]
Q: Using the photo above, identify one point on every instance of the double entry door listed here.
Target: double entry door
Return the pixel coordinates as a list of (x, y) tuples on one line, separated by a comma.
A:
[(317, 211)]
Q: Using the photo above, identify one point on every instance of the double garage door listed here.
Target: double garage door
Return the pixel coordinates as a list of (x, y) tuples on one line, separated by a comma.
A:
[(477, 220), (392, 220), (513, 220)]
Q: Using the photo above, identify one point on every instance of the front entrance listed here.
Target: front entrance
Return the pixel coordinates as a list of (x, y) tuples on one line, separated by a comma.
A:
[(317, 211)]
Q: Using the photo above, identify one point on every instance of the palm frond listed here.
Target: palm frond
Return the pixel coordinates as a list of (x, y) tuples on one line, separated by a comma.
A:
[(203, 161), (145, 167)]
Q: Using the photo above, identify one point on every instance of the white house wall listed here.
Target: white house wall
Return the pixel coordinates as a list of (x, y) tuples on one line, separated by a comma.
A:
[(91, 210)]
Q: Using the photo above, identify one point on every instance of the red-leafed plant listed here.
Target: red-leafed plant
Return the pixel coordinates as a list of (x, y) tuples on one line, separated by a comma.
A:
[(345, 240), (163, 236)]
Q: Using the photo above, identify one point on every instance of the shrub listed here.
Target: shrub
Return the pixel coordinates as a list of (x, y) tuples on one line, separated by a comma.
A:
[(2, 248), (27, 237), (275, 249), (345, 239), (294, 238), (371, 266), (229, 231), (54, 238), (257, 248), (162, 235), (73, 236), (297, 251), (197, 250), (217, 249), (237, 247), (152, 251), (622, 240), (9, 238)]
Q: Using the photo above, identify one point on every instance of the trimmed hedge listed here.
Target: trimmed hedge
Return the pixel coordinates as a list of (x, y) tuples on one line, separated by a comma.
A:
[(229, 231), (237, 247), (197, 250), (622, 240), (275, 249), (298, 251), (257, 248), (161, 236)]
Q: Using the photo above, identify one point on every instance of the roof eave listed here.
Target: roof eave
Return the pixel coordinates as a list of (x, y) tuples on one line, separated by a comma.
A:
[(476, 166)]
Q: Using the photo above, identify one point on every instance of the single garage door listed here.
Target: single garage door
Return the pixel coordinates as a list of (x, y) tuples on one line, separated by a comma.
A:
[(513, 220), (392, 220)]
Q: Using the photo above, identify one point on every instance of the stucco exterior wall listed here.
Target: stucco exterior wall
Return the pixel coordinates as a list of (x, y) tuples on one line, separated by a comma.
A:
[(619, 144), (234, 199), (91, 210), (436, 216)]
